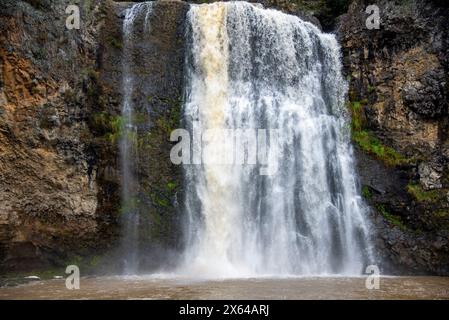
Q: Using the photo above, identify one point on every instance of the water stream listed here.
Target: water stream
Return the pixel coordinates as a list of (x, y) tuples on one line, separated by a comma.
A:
[(260, 72)]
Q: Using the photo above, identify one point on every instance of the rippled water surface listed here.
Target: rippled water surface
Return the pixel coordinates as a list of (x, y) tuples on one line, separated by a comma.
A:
[(266, 288)]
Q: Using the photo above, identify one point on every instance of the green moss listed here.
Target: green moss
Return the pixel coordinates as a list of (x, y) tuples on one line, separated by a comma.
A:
[(113, 128), (107, 124), (94, 261), (366, 192), (443, 213), (422, 195), (87, 264), (114, 42), (35, 90), (157, 193), (100, 121), (357, 119), (93, 74), (130, 205), (393, 219), (75, 260), (163, 202), (367, 141), (370, 144), (172, 120), (371, 89), (442, 217), (171, 186), (160, 201)]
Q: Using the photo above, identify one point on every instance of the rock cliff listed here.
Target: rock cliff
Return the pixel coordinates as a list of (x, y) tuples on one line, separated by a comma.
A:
[(51, 201), (398, 96)]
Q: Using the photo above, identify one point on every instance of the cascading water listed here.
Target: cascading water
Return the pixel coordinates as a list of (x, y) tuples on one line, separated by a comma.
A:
[(251, 68), (130, 214)]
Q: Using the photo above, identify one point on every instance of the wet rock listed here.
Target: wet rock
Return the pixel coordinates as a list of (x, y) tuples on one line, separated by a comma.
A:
[(430, 176), (400, 72), (51, 205), (427, 97)]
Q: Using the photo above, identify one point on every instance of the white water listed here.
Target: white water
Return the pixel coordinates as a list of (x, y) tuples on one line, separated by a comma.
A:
[(251, 68), (128, 153)]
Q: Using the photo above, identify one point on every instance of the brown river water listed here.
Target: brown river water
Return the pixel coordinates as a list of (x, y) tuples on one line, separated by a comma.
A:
[(142, 287)]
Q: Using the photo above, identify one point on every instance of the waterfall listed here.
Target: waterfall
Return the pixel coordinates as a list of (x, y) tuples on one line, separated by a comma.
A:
[(249, 69), (135, 17)]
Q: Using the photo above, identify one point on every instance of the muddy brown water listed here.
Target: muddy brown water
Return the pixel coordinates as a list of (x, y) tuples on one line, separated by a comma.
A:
[(142, 287)]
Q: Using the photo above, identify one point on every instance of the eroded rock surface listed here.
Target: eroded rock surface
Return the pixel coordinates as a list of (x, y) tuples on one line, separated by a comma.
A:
[(399, 86), (49, 193)]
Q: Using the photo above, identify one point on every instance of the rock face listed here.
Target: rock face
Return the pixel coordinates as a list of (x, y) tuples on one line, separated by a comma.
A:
[(60, 106), (399, 98), (50, 199), (157, 67)]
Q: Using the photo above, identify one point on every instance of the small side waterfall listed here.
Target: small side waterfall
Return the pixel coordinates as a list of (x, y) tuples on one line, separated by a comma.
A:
[(251, 68), (136, 17)]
